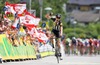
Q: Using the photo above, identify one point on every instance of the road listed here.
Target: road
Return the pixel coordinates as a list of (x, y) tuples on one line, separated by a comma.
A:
[(67, 60)]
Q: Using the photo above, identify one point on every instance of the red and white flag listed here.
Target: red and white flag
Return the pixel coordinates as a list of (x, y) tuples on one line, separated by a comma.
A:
[(29, 19), (15, 8), (33, 32), (9, 9), (19, 8), (42, 37), (16, 21)]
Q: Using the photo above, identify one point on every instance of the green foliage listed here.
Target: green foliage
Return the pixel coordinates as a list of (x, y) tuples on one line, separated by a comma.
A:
[(71, 34), (1, 5), (88, 31)]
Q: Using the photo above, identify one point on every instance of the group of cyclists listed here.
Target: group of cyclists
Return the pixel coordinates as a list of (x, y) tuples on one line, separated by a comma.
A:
[(81, 46)]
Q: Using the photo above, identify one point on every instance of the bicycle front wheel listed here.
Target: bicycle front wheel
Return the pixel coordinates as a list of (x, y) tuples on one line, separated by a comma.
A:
[(57, 54)]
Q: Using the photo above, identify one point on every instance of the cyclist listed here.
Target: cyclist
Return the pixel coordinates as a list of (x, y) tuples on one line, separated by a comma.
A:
[(57, 28)]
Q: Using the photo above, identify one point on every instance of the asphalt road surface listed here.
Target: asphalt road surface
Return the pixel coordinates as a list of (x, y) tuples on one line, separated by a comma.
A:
[(67, 60)]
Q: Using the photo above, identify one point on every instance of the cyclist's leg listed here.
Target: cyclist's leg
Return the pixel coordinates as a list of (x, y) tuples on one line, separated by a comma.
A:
[(59, 47), (53, 44), (58, 42), (53, 41), (56, 45)]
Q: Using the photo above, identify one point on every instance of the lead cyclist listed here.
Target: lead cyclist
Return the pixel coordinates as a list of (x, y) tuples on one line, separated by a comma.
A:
[(57, 30)]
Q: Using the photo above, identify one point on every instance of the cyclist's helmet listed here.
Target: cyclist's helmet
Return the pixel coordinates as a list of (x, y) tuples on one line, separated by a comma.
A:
[(58, 16), (73, 37)]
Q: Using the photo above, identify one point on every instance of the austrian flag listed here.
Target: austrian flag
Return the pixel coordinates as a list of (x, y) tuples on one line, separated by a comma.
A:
[(42, 37), (14, 8), (29, 20)]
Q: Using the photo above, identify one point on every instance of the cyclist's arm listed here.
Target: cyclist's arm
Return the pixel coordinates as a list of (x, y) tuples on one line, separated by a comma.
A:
[(61, 29), (53, 18)]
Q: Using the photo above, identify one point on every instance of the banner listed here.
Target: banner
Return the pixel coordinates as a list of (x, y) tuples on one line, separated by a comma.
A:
[(8, 51)]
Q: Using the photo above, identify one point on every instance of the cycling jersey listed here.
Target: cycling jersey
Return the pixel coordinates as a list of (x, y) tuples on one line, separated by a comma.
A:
[(56, 28)]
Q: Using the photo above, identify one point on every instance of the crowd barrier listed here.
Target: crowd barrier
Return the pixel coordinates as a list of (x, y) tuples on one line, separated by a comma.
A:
[(8, 51)]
